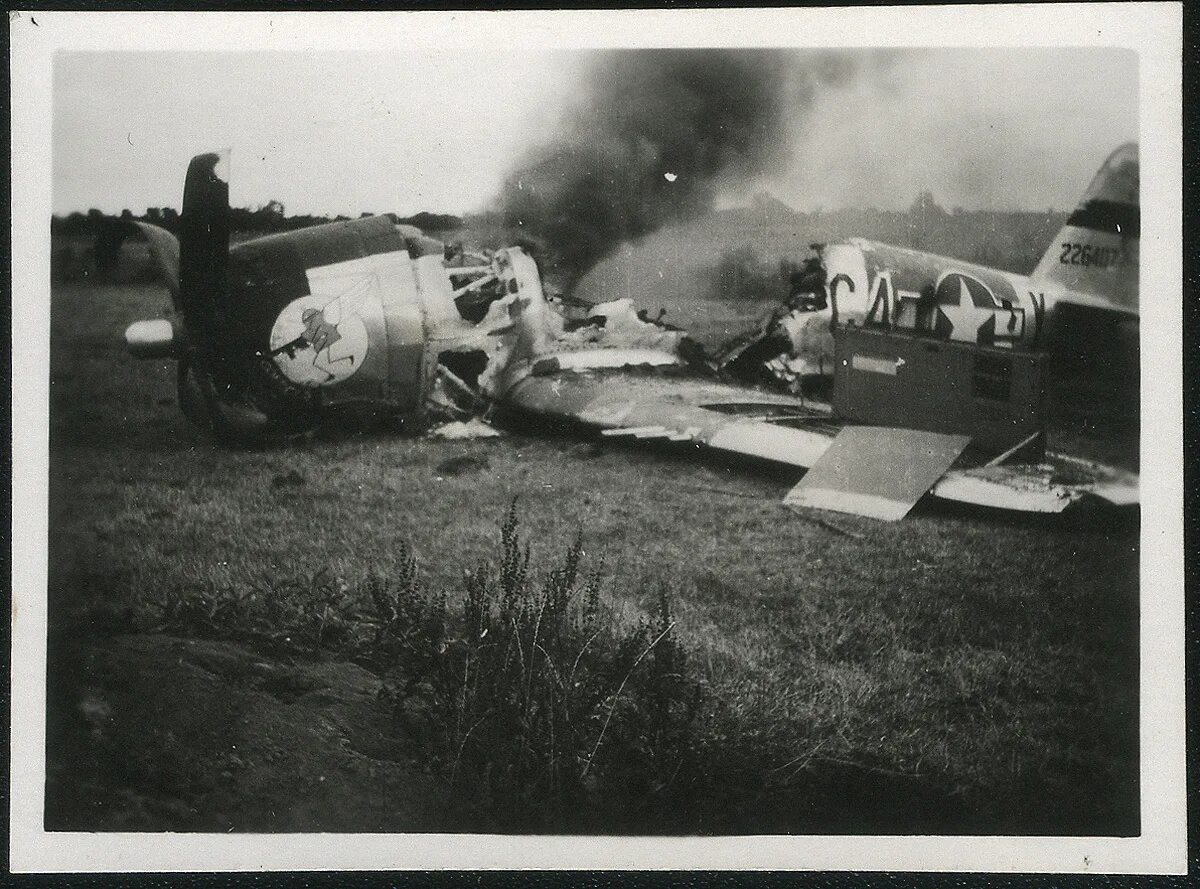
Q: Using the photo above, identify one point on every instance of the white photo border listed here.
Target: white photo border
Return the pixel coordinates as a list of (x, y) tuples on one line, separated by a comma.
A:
[(1153, 30)]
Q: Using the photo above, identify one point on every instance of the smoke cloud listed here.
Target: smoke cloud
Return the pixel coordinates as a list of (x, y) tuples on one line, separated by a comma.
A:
[(654, 137), (984, 129)]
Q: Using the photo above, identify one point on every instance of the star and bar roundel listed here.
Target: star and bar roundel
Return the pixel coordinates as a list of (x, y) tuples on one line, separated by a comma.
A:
[(968, 311)]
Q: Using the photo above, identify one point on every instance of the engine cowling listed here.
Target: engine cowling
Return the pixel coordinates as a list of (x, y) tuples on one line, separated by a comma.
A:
[(271, 332), (275, 334)]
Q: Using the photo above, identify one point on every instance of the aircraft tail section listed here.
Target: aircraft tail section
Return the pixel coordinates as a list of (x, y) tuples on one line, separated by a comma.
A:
[(1094, 259)]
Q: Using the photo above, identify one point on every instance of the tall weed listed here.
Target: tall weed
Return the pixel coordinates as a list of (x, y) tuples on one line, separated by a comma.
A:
[(544, 709)]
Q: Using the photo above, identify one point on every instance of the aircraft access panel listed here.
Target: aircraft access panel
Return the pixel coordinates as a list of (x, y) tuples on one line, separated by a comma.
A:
[(886, 378)]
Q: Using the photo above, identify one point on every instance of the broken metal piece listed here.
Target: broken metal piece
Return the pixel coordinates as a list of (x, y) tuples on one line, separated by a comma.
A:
[(1015, 449), (635, 431), (1049, 487), (461, 431), (876, 471)]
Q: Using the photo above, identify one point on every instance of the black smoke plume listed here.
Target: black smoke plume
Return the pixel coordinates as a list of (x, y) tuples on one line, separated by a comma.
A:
[(653, 138)]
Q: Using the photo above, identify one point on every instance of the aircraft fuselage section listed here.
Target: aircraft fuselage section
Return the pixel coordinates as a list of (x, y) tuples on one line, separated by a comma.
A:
[(870, 282)]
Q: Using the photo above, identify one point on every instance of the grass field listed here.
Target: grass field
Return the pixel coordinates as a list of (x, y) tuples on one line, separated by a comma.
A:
[(954, 672)]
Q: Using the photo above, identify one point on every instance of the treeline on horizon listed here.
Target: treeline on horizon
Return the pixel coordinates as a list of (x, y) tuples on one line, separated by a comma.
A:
[(267, 219), (272, 218)]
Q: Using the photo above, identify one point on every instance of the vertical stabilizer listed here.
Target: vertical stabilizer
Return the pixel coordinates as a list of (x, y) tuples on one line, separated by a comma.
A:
[(1095, 256)]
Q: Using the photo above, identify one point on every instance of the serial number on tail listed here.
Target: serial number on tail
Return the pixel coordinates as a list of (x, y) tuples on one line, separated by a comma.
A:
[(1086, 254)]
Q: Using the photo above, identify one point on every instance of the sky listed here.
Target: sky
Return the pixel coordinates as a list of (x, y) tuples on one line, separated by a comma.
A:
[(981, 129), (330, 133)]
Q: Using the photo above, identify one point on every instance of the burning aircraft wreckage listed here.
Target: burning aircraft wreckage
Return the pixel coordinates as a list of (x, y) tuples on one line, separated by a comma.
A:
[(938, 367)]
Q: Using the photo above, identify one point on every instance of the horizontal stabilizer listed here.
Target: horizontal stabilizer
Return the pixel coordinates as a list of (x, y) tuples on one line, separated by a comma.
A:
[(164, 250), (876, 471)]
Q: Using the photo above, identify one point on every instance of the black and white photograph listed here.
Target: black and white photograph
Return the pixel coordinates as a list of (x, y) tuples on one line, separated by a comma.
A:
[(526, 432)]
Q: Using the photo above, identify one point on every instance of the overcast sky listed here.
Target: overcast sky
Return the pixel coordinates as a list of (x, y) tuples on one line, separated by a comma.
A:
[(332, 133)]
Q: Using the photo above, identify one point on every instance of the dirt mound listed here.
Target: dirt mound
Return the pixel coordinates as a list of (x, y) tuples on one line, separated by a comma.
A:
[(163, 733)]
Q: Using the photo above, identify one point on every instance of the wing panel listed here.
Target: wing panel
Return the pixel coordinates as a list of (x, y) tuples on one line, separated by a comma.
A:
[(621, 406), (877, 471)]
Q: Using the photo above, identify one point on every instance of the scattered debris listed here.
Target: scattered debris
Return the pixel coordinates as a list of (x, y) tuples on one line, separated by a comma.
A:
[(460, 430)]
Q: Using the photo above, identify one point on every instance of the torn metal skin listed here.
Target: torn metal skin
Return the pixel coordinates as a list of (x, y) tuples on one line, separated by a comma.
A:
[(369, 318)]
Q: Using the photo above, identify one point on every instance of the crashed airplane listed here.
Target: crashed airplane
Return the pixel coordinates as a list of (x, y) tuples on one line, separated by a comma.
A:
[(1086, 284), (938, 377)]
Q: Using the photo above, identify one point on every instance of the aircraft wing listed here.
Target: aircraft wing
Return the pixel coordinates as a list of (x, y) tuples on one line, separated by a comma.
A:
[(665, 404), (639, 404)]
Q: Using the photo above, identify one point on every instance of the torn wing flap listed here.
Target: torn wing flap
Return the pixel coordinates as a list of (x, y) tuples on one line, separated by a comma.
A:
[(876, 471), (1050, 487)]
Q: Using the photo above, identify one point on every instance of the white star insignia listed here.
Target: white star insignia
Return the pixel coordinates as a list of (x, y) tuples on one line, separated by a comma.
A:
[(965, 317)]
